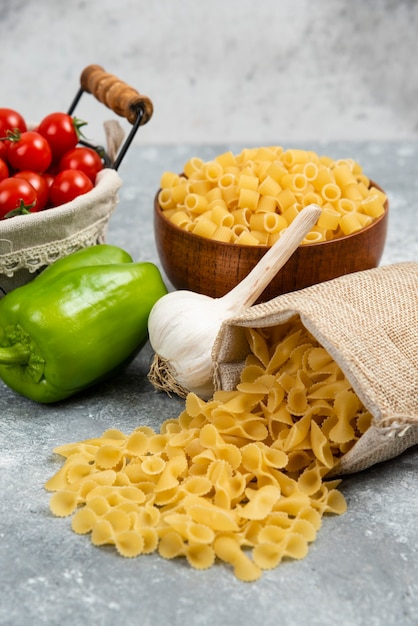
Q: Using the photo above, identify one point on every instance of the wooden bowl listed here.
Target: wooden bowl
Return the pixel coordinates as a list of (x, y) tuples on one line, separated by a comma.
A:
[(213, 268)]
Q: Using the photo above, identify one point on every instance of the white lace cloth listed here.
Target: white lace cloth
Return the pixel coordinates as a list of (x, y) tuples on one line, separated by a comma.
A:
[(30, 242)]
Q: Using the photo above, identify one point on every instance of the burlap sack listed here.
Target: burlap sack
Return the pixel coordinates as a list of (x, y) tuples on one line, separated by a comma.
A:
[(368, 322)]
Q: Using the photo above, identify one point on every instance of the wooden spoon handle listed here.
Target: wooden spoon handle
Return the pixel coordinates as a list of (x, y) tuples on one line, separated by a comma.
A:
[(252, 286), (122, 99)]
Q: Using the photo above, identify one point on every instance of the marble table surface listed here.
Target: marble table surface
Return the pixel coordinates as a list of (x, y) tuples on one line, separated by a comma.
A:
[(363, 567)]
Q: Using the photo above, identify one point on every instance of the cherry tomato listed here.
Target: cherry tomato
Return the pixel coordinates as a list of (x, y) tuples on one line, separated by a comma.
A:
[(4, 170), (84, 159), (3, 150), (39, 183), (61, 131), (9, 120), (67, 185), (28, 151), (49, 178), (17, 195)]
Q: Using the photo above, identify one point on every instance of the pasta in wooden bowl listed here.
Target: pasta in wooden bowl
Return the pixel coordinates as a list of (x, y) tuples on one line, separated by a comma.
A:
[(215, 221)]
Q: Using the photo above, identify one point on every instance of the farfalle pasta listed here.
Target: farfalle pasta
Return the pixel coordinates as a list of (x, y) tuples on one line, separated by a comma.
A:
[(250, 198), (240, 478)]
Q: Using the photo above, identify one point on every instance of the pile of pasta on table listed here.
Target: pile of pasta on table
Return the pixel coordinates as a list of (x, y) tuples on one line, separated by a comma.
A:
[(240, 478)]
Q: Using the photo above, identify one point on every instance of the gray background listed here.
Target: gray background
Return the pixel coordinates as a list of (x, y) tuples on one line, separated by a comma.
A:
[(269, 71)]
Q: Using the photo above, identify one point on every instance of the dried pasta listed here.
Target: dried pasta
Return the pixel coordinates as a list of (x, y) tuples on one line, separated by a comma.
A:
[(240, 478), (269, 179)]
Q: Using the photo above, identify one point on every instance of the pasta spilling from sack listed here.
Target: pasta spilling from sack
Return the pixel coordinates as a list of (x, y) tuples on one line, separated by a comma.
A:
[(240, 478), (251, 197)]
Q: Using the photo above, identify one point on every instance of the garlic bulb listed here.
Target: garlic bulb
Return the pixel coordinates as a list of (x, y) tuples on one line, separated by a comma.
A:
[(183, 325)]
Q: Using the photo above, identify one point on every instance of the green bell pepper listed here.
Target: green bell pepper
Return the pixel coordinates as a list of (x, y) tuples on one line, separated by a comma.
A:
[(78, 322)]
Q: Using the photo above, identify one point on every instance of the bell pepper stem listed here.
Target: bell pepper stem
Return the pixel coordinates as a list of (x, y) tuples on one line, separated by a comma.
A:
[(14, 355)]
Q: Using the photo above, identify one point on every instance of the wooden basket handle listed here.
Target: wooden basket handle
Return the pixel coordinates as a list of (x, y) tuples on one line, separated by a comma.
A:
[(122, 99)]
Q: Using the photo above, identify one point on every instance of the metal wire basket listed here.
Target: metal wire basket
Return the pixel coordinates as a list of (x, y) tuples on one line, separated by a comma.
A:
[(29, 243)]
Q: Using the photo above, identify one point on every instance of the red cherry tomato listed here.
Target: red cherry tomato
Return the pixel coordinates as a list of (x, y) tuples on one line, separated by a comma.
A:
[(39, 183), (28, 151), (9, 120), (67, 185), (4, 170), (61, 131), (49, 178), (3, 150), (16, 195), (84, 159)]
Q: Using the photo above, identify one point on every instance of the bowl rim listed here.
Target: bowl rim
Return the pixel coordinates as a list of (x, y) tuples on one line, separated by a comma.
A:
[(313, 244)]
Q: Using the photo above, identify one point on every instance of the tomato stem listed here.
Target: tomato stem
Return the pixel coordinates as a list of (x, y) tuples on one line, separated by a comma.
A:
[(22, 209), (12, 135), (77, 127)]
